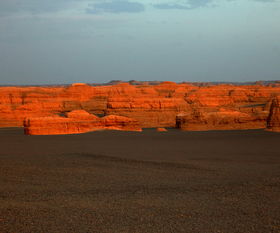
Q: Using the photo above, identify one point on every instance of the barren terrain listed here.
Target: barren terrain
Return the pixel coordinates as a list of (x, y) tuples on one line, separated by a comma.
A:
[(112, 181)]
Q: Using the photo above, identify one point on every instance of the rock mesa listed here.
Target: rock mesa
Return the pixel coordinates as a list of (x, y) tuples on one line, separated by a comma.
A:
[(77, 122)]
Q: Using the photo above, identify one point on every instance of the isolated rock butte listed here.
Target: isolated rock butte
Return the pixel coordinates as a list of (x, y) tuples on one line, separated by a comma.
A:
[(77, 122), (153, 106), (161, 129), (273, 122)]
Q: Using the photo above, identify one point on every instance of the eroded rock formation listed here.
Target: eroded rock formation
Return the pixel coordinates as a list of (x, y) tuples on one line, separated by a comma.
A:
[(222, 119), (76, 122), (158, 105), (161, 129)]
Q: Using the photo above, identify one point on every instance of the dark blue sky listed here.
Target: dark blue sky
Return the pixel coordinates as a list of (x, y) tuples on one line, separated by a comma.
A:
[(65, 41)]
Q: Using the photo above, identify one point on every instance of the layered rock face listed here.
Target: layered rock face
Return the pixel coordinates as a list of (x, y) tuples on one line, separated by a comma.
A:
[(76, 122), (17, 103), (222, 119), (164, 104), (153, 106), (273, 122)]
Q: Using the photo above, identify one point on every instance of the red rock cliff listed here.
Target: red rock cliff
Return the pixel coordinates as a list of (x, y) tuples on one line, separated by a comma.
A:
[(151, 105), (76, 122)]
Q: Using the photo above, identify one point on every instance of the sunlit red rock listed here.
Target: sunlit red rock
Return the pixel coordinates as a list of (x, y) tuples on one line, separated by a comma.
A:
[(161, 129), (152, 104), (121, 123), (149, 111), (78, 84), (81, 115), (77, 122), (219, 120)]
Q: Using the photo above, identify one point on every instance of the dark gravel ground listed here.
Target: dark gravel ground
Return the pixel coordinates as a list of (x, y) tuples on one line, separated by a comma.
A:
[(140, 182)]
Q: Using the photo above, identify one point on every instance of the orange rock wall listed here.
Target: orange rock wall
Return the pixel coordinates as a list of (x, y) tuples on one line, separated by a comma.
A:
[(220, 120), (77, 122), (151, 105)]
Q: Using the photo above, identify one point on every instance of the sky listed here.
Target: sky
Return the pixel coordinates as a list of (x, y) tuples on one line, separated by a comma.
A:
[(95, 41)]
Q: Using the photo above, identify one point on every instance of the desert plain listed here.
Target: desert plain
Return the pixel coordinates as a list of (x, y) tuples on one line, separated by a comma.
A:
[(149, 181)]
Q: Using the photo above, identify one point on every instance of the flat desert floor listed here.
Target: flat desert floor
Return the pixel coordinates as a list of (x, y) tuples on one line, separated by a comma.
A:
[(162, 182)]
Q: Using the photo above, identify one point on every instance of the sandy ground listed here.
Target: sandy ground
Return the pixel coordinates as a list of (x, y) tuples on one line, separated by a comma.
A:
[(140, 182)]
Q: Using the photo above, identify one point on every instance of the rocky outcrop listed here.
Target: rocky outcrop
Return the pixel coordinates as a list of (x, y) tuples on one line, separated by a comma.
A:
[(219, 120), (153, 105), (149, 111), (114, 122), (77, 122), (273, 121), (161, 129)]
